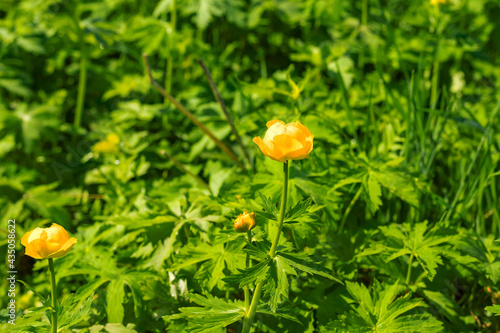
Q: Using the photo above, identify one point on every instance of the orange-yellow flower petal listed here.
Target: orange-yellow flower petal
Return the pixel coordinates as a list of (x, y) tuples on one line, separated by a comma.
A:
[(53, 242), (245, 222), (272, 122), (283, 142)]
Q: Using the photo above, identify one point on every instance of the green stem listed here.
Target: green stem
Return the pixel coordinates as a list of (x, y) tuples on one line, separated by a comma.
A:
[(435, 80), (348, 210), (183, 168), (247, 324), (247, 264), (82, 86), (363, 28), (173, 23), (188, 114), (53, 295), (435, 67), (219, 99), (408, 274), (364, 13)]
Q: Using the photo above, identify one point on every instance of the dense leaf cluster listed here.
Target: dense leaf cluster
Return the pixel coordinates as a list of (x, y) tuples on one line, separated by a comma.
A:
[(392, 222)]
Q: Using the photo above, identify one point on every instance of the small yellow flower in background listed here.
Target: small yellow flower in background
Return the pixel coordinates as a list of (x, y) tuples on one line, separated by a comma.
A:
[(43, 243), (245, 222), (284, 142), (113, 138), (108, 145), (437, 2)]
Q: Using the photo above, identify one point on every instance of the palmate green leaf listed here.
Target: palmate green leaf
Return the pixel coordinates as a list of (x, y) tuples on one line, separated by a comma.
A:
[(116, 291), (211, 273), (492, 270), (162, 7), (267, 215), (217, 179), (480, 254), (415, 323), (399, 184), (269, 206), (298, 209), (150, 34), (374, 175), (275, 274), (381, 311), (165, 249), (250, 275), (280, 313), (213, 314), (429, 258), (426, 245), (16, 86), (217, 257), (44, 300), (445, 305), (34, 320), (192, 254), (113, 328), (72, 311), (353, 179), (206, 10), (277, 282), (217, 176), (495, 309), (115, 294), (372, 187), (305, 264), (122, 280)]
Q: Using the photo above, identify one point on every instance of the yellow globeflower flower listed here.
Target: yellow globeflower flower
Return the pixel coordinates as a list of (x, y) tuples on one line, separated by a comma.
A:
[(284, 142), (43, 243), (245, 222)]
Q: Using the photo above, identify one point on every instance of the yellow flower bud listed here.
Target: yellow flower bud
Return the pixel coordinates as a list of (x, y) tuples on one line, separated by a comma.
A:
[(284, 142), (245, 222), (53, 242)]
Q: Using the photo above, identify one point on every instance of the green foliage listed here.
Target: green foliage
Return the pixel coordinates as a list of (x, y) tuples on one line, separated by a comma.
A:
[(425, 245), (399, 199), (383, 311), (213, 315)]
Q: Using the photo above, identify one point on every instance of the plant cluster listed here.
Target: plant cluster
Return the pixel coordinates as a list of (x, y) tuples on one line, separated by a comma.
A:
[(137, 129)]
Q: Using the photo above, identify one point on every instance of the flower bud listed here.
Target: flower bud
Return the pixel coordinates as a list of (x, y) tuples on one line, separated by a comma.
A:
[(53, 242), (245, 222)]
